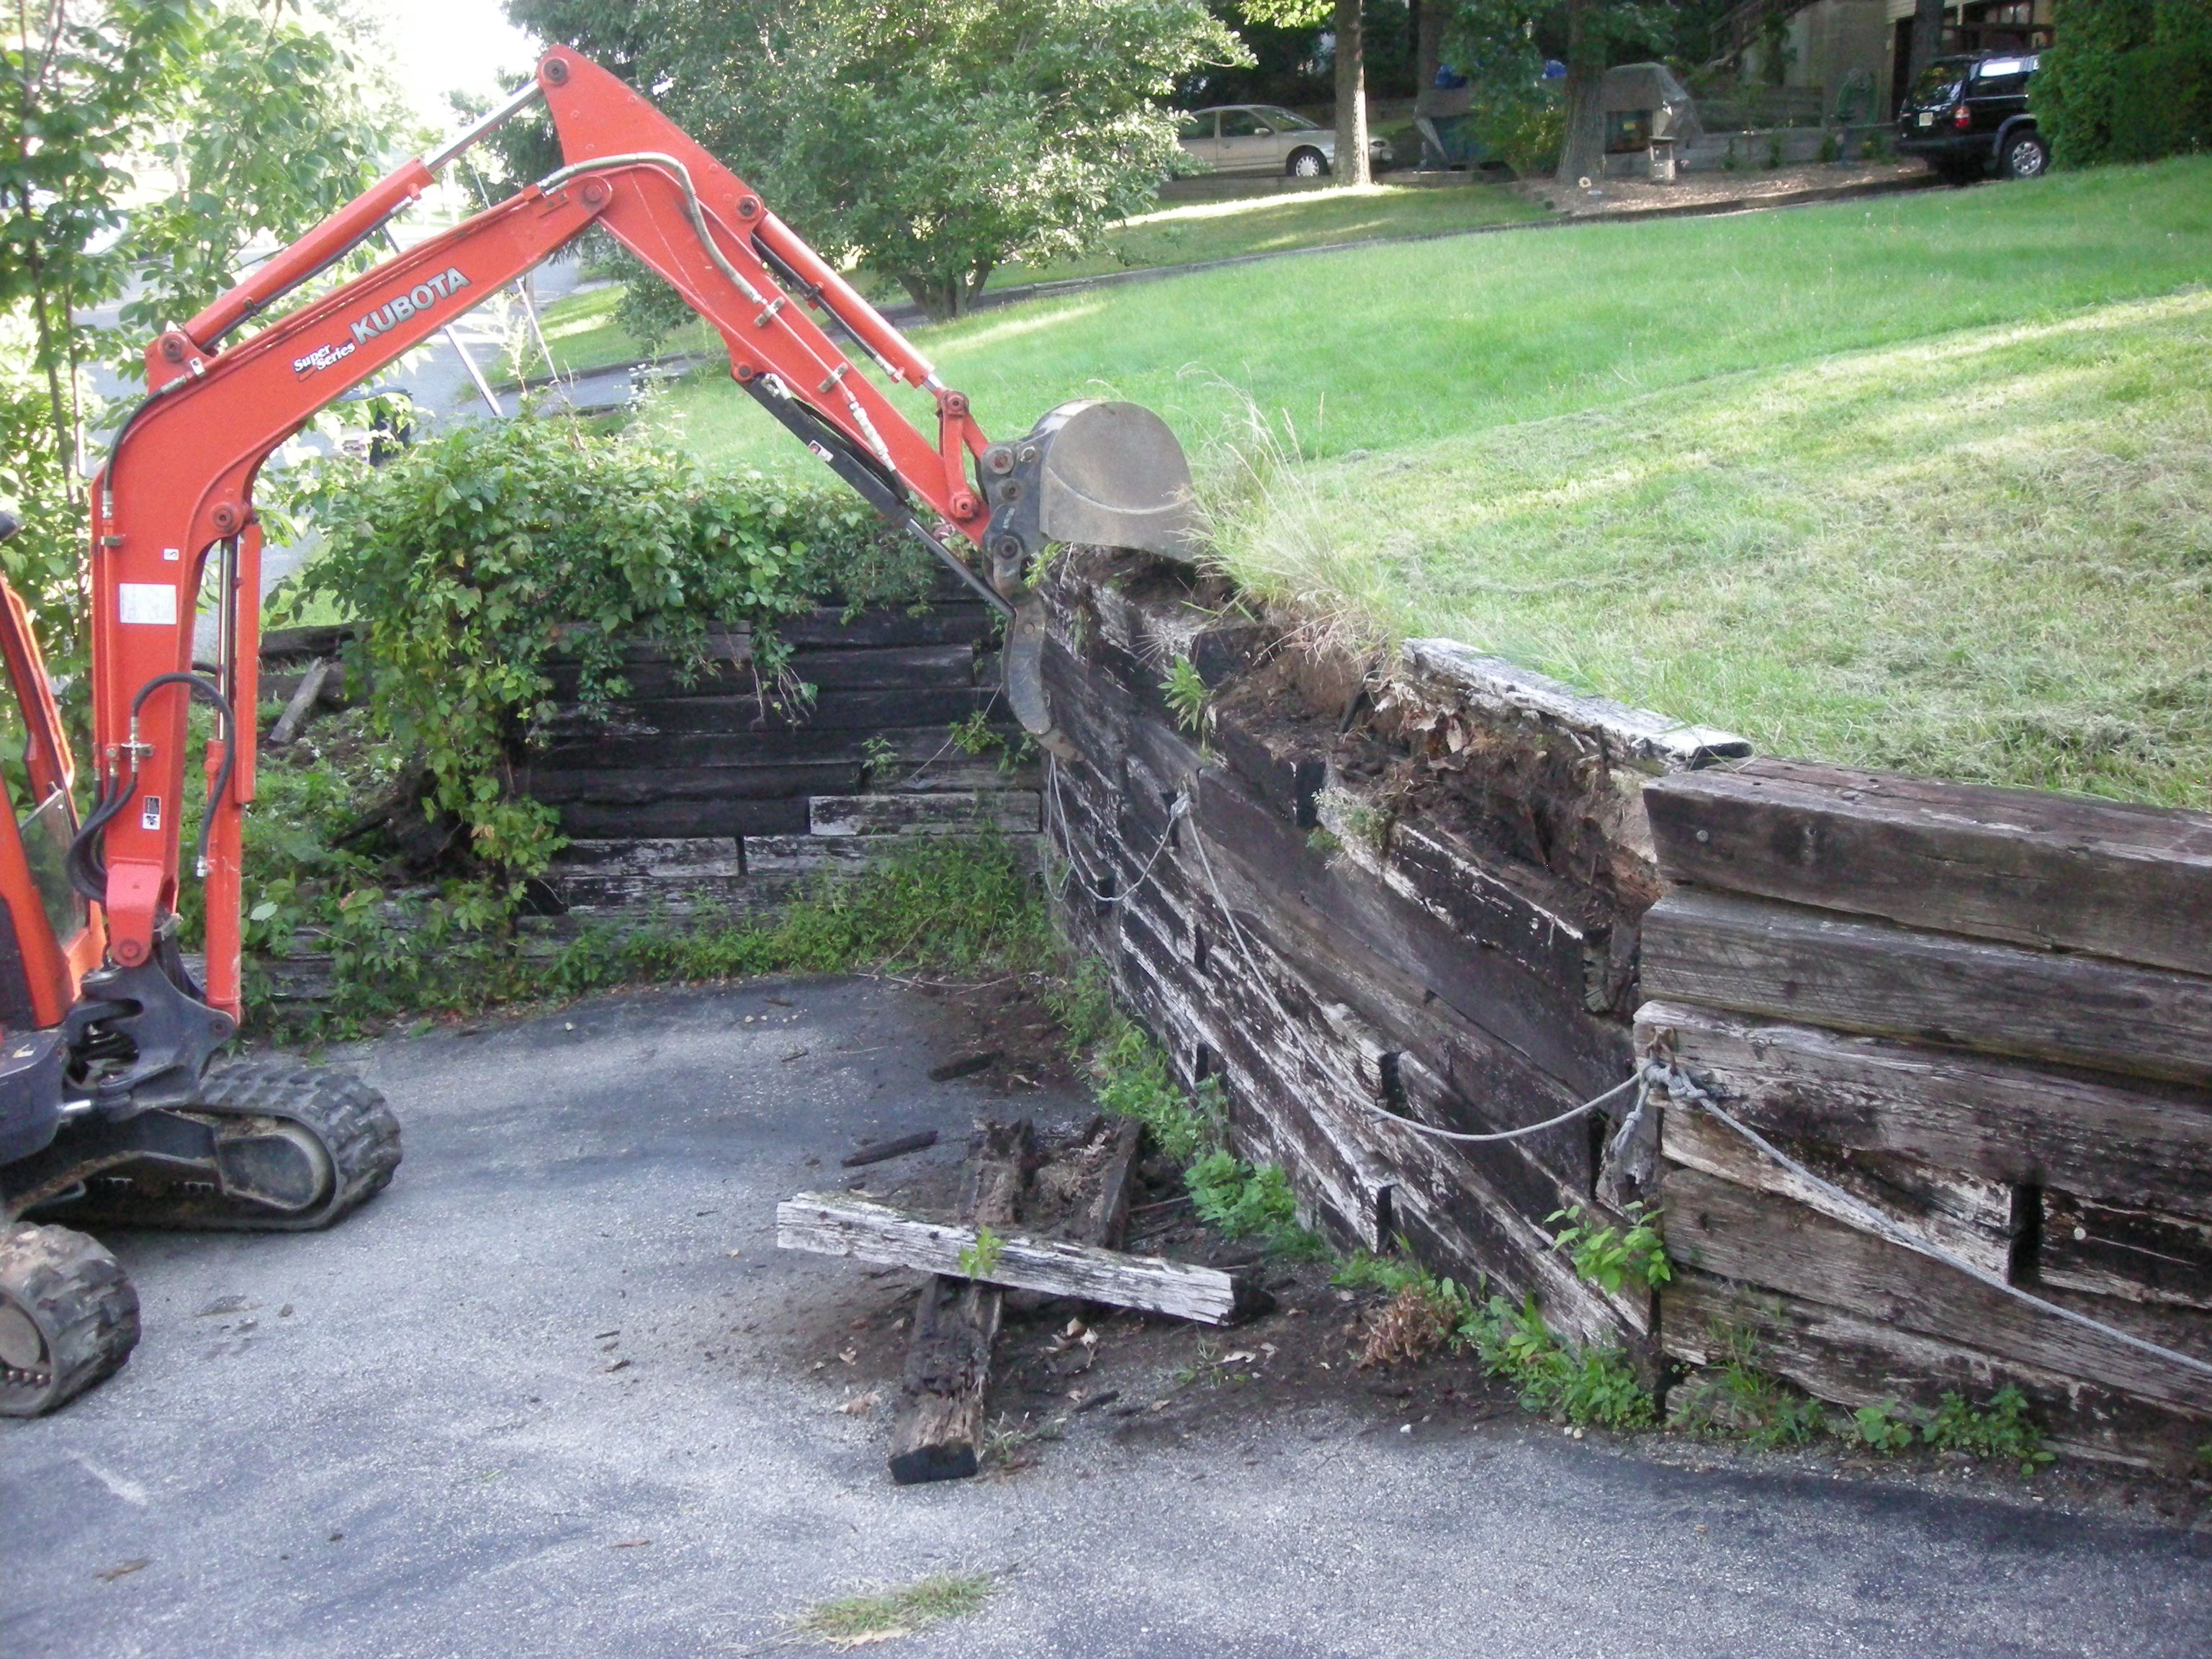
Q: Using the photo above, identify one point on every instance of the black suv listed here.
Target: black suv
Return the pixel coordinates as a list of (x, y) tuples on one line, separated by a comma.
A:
[(1967, 115)]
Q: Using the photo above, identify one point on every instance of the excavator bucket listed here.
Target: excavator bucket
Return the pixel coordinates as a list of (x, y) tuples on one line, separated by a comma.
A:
[(1092, 472), (1110, 475)]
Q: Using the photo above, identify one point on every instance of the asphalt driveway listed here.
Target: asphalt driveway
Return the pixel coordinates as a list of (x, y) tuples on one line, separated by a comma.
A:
[(556, 1392)]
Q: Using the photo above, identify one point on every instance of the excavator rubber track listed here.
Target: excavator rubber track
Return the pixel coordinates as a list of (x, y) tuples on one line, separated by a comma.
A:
[(300, 1146), (68, 1316)]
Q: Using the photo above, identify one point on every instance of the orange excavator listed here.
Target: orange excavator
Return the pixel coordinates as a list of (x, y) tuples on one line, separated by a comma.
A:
[(113, 1107)]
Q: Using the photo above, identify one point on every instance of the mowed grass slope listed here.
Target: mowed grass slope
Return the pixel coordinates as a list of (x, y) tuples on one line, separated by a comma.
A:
[(1920, 483), (582, 332), (1194, 232)]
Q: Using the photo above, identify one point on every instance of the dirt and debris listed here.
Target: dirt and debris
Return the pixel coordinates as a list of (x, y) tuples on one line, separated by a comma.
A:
[(1061, 1367), (1752, 185), (998, 1033)]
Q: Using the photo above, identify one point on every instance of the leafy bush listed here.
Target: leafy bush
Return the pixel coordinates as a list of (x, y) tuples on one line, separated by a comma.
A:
[(1610, 1255), (1737, 1398), (471, 556), (1364, 1271), (1523, 132), (2000, 1428), (2126, 81), (1580, 1385), (1249, 1201), (2170, 112), (1885, 1428), (1133, 1080)]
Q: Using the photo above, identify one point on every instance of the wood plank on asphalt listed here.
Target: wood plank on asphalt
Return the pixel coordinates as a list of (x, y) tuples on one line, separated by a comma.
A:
[(831, 1224)]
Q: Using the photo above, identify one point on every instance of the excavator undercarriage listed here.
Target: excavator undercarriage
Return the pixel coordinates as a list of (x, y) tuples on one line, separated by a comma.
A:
[(113, 1109)]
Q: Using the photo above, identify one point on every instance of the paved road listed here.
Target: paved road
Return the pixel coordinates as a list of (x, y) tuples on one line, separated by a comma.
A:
[(404, 1438)]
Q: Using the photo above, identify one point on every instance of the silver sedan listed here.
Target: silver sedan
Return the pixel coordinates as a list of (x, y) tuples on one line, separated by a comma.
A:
[(1262, 138)]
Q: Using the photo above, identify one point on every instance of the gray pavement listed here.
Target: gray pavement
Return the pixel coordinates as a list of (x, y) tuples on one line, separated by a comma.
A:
[(556, 1392)]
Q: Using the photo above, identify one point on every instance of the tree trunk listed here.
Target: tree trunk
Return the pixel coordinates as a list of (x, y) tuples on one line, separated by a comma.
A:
[(1582, 152), (1428, 44), (1927, 39), (938, 297), (1350, 96)]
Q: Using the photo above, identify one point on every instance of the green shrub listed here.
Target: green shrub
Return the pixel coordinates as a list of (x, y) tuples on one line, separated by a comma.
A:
[(1134, 1081), (1364, 1271), (469, 558), (1737, 1398), (2081, 85), (1884, 1428), (1525, 134), (1609, 1256), (1242, 1201), (2167, 107), (2000, 1428), (1580, 1385)]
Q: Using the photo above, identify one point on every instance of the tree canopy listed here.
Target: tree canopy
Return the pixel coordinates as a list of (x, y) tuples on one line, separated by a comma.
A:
[(149, 147), (931, 141)]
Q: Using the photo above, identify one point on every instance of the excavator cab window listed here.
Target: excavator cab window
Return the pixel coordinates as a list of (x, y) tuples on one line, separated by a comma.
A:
[(36, 767), (45, 826)]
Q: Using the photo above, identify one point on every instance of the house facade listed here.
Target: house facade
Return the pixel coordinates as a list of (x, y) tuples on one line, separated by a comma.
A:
[(1856, 52)]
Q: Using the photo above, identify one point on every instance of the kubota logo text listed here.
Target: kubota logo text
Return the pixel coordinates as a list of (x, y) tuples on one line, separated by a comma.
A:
[(398, 309), (401, 306)]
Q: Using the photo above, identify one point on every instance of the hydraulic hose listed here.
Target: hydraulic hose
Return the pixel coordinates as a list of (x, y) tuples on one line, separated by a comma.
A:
[(87, 869)]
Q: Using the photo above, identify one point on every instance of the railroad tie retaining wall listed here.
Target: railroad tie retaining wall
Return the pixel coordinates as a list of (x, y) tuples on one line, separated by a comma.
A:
[(688, 792), (1458, 892), (1987, 1013), (685, 795), (1418, 892)]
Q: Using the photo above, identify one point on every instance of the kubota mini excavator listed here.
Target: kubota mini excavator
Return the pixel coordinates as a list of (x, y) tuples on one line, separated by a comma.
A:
[(109, 1110)]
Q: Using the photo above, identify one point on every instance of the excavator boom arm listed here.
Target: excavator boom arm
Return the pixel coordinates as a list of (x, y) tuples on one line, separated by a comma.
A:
[(179, 481)]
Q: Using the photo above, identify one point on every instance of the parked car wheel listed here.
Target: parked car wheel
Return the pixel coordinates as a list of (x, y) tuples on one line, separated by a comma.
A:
[(2025, 156), (1306, 164)]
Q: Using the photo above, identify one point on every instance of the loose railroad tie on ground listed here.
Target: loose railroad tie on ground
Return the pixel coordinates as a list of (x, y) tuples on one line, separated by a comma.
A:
[(939, 1433)]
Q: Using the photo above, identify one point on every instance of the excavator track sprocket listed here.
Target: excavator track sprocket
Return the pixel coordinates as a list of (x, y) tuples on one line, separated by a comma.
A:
[(297, 1148), (68, 1316)]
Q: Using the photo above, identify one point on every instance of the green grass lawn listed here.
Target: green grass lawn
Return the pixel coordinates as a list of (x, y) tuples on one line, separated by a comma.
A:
[(583, 334), (1916, 483), (1194, 232)]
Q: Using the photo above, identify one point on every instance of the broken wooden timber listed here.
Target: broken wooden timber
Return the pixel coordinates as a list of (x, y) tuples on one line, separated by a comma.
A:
[(836, 1225), (938, 1434), (876, 1152), (301, 704), (1108, 1216)]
